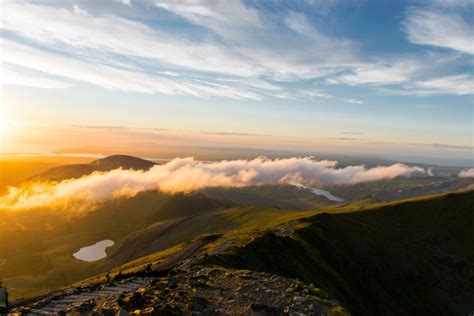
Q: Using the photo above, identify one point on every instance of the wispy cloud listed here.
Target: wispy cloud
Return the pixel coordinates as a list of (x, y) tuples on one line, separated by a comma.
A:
[(380, 73), (457, 84), (117, 53), (352, 133), (233, 49), (446, 24), (420, 145), (232, 133), (353, 101), (26, 77), (70, 70)]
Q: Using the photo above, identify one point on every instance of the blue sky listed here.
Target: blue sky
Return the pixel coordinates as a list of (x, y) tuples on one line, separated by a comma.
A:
[(390, 78)]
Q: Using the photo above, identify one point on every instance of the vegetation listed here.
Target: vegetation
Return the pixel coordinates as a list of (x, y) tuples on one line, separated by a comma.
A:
[(409, 258), (377, 258), (37, 245)]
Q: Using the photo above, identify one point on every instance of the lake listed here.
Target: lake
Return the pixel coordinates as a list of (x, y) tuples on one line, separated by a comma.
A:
[(328, 195), (94, 252)]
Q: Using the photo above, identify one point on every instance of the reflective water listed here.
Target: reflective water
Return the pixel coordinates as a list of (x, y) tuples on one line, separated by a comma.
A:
[(320, 192), (94, 252)]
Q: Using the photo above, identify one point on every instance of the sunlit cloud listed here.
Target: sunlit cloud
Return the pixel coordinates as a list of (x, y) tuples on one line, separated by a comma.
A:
[(467, 173), (188, 174)]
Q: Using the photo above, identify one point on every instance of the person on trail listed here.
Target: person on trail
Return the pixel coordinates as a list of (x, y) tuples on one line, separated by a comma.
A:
[(3, 300), (148, 269)]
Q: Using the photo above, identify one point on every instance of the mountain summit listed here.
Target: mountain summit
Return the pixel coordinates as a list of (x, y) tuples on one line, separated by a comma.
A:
[(103, 164)]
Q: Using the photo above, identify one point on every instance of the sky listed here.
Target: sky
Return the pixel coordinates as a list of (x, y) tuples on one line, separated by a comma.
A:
[(392, 79)]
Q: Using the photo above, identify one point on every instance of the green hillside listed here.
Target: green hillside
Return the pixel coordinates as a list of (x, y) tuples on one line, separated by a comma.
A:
[(413, 257), (410, 258), (37, 245)]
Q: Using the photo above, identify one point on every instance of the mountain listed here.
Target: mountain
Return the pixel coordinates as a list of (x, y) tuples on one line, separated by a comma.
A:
[(104, 164), (363, 256), (148, 222), (412, 257)]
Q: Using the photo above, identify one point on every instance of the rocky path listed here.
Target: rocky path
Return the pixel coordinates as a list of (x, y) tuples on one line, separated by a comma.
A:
[(210, 290), (77, 301), (180, 285)]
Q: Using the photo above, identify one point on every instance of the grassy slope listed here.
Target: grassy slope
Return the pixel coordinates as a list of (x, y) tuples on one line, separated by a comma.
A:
[(39, 256), (410, 258), (282, 196)]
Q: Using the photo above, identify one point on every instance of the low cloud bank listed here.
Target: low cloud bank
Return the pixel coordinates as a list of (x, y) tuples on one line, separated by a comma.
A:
[(467, 173), (188, 174)]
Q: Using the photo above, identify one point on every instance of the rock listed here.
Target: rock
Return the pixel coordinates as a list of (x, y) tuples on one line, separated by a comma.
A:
[(202, 291), (265, 309)]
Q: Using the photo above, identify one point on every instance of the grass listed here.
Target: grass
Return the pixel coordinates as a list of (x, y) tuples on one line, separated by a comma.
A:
[(40, 260), (407, 258), (397, 258)]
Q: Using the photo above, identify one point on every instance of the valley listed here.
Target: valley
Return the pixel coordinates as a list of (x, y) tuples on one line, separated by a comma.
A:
[(338, 254)]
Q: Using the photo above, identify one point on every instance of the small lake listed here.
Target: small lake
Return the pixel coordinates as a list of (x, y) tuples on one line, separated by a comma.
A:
[(94, 252), (328, 195)]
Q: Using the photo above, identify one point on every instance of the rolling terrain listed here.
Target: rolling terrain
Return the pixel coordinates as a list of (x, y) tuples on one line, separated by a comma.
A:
[(367, 255), (412, 257)]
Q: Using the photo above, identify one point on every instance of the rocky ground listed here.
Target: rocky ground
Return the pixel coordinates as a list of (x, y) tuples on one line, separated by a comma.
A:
[(181, 285), (207, 290), (217, 291)]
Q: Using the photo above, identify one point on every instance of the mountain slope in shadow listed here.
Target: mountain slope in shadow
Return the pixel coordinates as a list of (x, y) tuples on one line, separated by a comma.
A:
[(409, 258)]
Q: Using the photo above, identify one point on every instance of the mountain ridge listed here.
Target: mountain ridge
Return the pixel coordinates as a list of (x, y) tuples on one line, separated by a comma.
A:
[(108, 163), (410, 257)]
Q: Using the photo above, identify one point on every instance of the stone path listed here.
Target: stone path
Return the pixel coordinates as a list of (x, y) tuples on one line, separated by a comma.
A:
[(73, 302)]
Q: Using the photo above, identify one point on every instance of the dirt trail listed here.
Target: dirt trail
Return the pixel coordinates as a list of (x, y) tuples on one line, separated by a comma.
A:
[(66, 301)]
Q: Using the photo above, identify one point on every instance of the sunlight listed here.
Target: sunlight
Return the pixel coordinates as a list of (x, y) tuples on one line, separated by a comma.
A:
[(3, 125)]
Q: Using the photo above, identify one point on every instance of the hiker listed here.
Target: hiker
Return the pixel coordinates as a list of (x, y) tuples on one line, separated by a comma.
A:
[(3, 300), (148, 269)]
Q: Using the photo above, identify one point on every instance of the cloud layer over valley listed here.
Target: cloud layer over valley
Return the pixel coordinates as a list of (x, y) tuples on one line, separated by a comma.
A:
[(467, 173), (188, 174)]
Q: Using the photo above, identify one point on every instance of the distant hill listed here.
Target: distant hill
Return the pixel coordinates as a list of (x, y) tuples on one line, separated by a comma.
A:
[(104, 164), (278, 196)]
